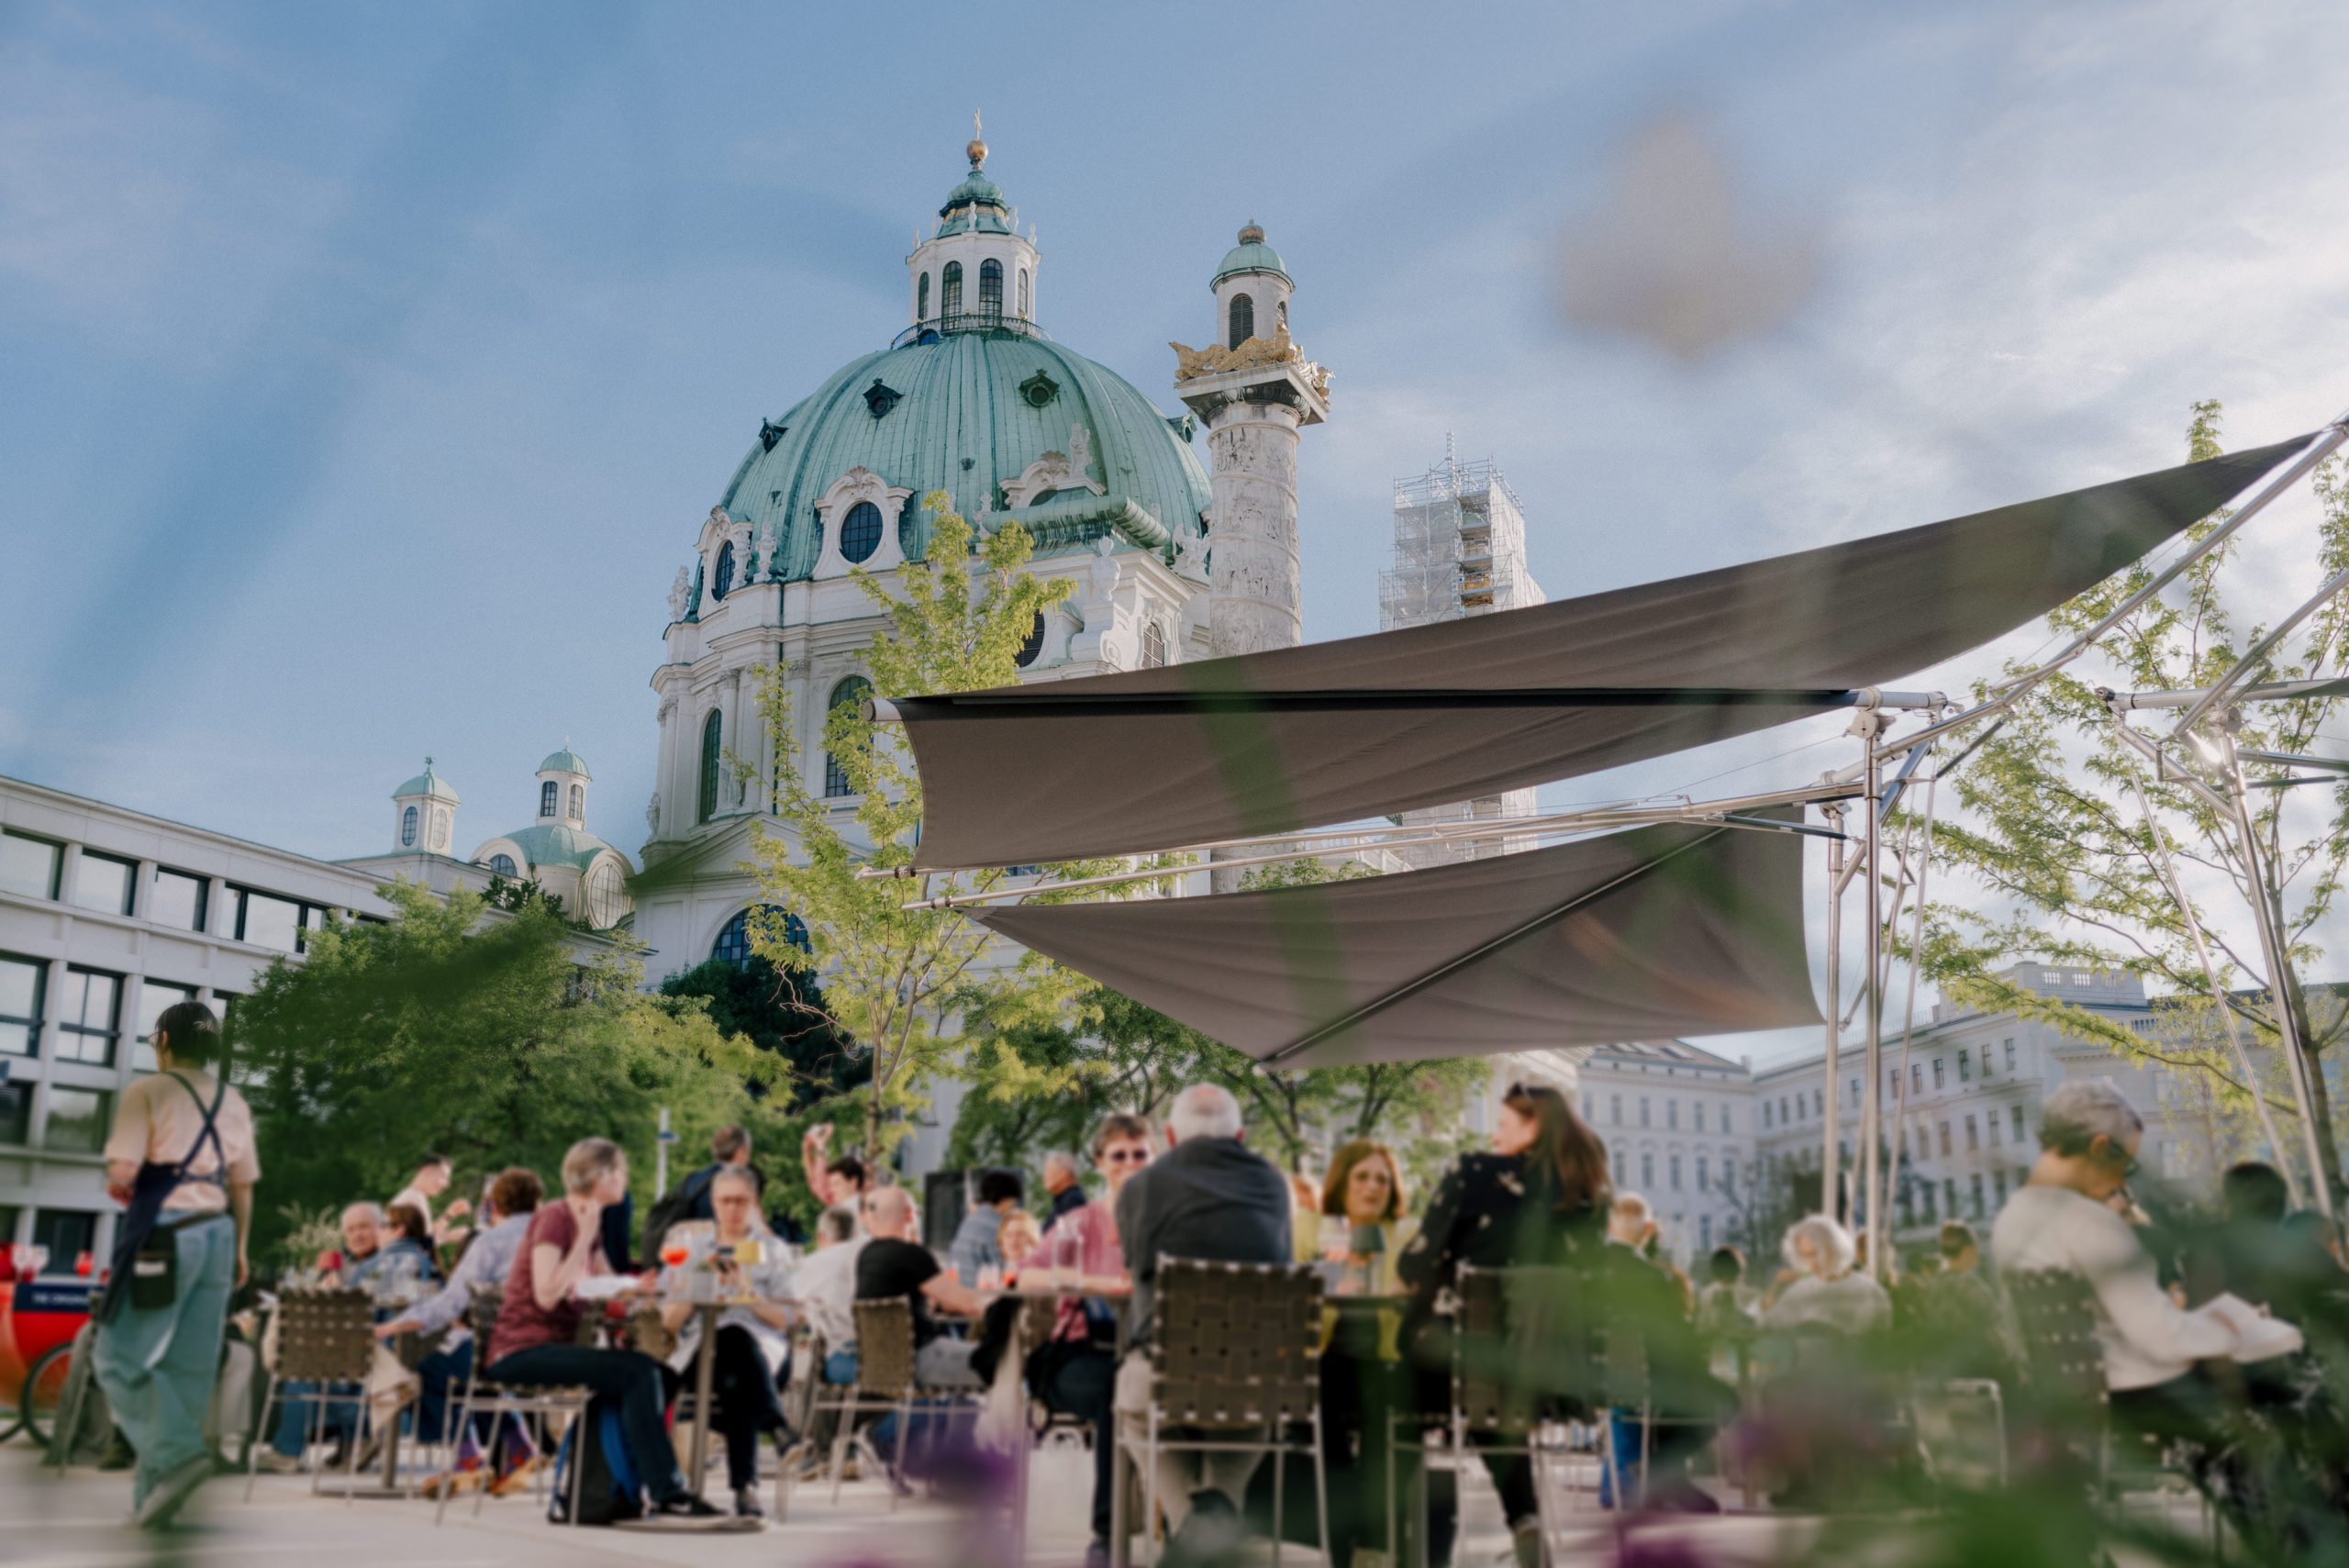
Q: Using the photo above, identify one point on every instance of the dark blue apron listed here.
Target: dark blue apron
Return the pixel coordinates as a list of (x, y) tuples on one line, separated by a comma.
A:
[(153, 1184)]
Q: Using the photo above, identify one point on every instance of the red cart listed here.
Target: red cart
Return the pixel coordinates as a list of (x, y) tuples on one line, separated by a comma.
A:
[(38, 1319)]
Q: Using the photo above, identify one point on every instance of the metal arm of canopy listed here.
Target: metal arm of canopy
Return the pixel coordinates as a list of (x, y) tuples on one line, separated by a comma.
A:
[(2266, 690), (1728, 813), (1080, 705)]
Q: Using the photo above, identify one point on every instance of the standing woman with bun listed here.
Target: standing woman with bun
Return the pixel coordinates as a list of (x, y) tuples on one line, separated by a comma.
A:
[(1539, 1199), (180, 1158)]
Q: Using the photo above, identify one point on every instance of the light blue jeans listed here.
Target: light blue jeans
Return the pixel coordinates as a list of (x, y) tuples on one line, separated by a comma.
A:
[(157, 1367)]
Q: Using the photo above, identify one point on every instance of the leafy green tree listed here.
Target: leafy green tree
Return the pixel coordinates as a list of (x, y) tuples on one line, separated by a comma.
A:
[(2049, 827), (496, 1038), (781, 1012), (899, 980)]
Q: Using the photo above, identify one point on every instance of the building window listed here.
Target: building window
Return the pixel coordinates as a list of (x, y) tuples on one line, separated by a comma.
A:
[(104, 884), (2010, 1056), (29, 865), (1033, 645), (1928, 1195), (546, 797), (407, 828), (1916, 1077), (267, 921), (860, 532), (1945, 1142), (1972, 1134), (1644, 1119), (1672, 1167), (1993, 1127), (77, 1120), (579, 802), (2016, 1112), (1618, 1167), (991, 290), (721, 581), (713, 743), (502, 864), (64, 1234), (1766, 1115), (440, 829), (1964, 1066), (950, 291), (922, 298), (23, 982), (15, 1115), (1974, 1186), (154, 995), (1153, 646), (1615, 1109), (1704, 1174), (1647, 1171), (1700, 1115), (1026, 309), (733, 943), (1855, 1087), (1725, 1126), (89, 1012), (1244, 321), (1999, 1187), (849, 693), (1729, 1176), (1819, 1102)]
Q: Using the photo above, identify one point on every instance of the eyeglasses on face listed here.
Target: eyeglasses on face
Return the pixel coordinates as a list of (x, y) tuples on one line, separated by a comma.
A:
[(1126, 1157)]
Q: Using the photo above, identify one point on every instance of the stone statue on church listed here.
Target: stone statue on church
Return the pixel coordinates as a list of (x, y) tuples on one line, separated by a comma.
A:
[(681, 592), (653, 815)]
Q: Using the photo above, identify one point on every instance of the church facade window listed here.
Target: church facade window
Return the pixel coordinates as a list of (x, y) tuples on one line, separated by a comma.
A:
[(850, 693), (950, 290), (407, 828), (546, 798), (579, 801), (501, 865), (922, 298), (733, 943), (1033, 645), (722, 582), (1025, 308), (1153, 646), (1244, 320), (441, 831), (713, 741), (860, 532), (991, 290)]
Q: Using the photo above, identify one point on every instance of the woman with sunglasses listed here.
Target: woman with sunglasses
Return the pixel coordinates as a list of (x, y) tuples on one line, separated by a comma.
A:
[(1075, 1372), (1539, 1199)]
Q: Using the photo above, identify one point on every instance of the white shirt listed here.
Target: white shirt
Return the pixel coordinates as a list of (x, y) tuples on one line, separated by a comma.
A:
[(826, 1285), (1853, 1304), (413, 1199), (771, 1278), (2147, 1337)]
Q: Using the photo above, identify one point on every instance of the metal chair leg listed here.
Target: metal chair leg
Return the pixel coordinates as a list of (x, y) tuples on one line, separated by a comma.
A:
[(1280, 1478), (252, 1450), (1321, 1488)]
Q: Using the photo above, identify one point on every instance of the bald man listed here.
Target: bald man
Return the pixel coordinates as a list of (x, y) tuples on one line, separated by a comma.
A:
[(894, 1264)]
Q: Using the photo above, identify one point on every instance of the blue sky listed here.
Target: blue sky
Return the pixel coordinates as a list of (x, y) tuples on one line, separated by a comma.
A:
[(369, 370)]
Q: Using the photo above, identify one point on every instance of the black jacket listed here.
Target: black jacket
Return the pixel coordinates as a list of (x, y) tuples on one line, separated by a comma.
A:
[(1206, 1198), (1482, 1215)]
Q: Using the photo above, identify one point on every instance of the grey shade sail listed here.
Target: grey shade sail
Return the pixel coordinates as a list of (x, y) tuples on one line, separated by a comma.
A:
[(1682, 929), (1331, 731)]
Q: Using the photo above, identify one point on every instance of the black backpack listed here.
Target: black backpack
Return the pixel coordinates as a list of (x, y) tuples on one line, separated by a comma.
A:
[(676, 1206)]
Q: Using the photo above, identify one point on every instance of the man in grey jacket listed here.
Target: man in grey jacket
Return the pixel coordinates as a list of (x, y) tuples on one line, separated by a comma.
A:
[(1206, 1198)]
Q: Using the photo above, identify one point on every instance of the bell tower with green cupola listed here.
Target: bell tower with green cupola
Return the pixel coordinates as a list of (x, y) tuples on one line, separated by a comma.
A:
[(974, 273)]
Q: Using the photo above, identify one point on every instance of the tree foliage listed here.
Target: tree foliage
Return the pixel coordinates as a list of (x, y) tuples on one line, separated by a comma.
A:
[(2048, 825), (496, 1038)]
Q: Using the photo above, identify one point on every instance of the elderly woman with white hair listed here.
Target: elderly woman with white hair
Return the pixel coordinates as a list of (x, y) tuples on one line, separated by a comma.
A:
[(1829, 1291)]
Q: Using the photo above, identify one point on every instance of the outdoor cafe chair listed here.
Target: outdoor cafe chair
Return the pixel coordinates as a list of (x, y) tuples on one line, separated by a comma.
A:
[(325, 1341), (886, 1383), (2054, 1321), (539, 1406), (1235, 1365)]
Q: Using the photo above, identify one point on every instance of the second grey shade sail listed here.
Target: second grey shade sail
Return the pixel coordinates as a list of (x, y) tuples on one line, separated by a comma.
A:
[(1332, 731), (1683, 929)]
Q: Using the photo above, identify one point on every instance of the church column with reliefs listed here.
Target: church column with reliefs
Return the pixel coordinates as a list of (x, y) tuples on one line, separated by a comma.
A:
[(1255, 391)]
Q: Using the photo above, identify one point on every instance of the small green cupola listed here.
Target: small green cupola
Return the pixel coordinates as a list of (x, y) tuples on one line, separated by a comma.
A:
[(974, 273), (424, 813), (563, 788), (1251, 286)]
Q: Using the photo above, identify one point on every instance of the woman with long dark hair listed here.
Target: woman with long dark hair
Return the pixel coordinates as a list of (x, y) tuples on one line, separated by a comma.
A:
[(1539, 1199)]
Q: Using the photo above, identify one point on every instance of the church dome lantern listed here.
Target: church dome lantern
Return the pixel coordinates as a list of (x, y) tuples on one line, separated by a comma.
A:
[(974, 273), (424, 813)]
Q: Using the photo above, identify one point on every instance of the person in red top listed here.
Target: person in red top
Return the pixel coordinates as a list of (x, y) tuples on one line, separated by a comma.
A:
[(533, 1343)]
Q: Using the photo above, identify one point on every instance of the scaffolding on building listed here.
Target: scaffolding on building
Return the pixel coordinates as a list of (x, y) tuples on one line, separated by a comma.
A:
[(1459, 552)]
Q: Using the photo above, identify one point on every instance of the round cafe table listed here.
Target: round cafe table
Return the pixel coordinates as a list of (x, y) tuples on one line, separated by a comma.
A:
[(705, 1360)]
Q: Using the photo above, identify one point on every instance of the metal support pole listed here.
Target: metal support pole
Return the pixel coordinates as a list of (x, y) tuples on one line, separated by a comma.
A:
[(1880, 1198), (2268, 907), (1837, 853), (1873, 837)]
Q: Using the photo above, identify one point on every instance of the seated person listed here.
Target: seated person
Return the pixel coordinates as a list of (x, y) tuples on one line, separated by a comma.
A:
[(1827, 1291), (893, 1264), (753, 1346), (406, 1254), (534, 1342), (827, 1288), (338, 1423), (513, 1197), (977, 1240)]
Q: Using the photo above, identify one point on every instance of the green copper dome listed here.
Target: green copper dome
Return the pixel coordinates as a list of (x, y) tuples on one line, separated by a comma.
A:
[(566, 761), (429, 783), (966, 413), (556, 843), (1251, 255)]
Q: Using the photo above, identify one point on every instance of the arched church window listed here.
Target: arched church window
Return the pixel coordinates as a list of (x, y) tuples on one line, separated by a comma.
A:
[(722, 580), (407, 828), (607, 895), (546, 798), (1033, 645), (579, 802), (441, 832), (713, 741), (733, 943), (503, 865), (860, 532), (950, 291), (1244, 320), (1153, 646), (1026, 310), (850, 693), (922, 298), (991, 289)]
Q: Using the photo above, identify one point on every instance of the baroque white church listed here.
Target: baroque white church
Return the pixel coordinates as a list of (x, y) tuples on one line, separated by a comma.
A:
[(1176, 552)]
